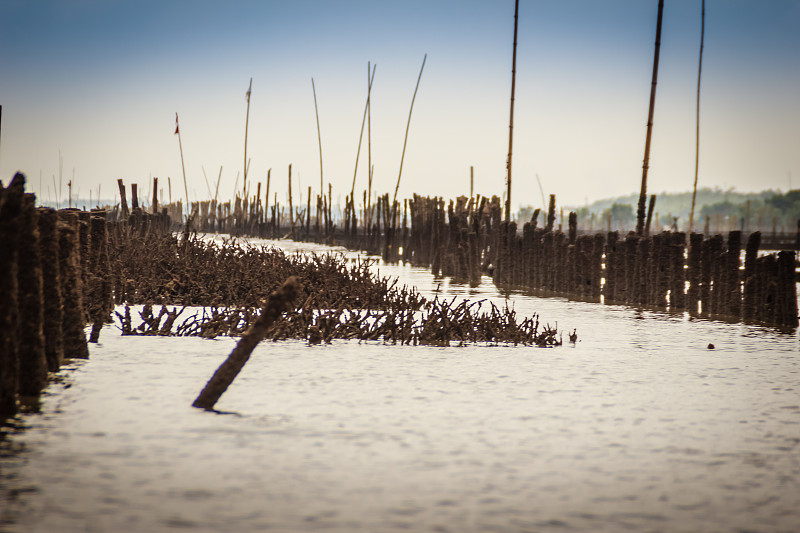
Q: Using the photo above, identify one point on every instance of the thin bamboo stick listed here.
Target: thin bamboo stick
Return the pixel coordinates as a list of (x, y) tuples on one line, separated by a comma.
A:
[(246, 123), (361, 135), (291, 208), (183, 167), (697, 133), (405, 140), (640, 214), (319, 136), (205, 177), (266, 196), (216, 191), (369, 145), (511, 116)]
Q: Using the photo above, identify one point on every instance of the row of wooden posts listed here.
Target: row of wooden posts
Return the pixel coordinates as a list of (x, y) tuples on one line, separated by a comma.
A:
[(467, 238), (55, 279)]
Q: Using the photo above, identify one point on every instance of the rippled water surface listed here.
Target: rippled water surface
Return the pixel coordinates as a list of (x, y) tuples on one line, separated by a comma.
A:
[(637, 427)]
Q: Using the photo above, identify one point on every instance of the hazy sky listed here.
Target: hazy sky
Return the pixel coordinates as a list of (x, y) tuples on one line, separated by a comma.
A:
[(101, 81)]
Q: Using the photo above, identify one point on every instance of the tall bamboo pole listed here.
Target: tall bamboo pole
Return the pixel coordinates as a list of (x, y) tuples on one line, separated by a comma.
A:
[(183, 167), (319, 137), (471, 180), (361, 135), (246, 123), (511, 117), (266, 196), (640, 214), (405, 140), (216, 190), (291, 207), (368, 216), (697, 133)]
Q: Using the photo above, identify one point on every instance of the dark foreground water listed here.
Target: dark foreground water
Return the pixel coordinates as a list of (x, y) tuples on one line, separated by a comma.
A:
[(637, 427)]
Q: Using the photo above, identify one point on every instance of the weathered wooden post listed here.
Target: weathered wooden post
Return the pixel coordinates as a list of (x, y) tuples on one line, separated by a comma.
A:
[(32, 361), (99, 303), (612, 267), (677, 283), (71, 288), (749, 309), (123, 199), (786, 293), (733, 286), (278, 302), (694, 262), (11, 199), (51, 289), (597, 265)]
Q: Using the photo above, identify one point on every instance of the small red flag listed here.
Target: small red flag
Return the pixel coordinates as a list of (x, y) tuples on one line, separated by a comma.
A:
[(176, 123)]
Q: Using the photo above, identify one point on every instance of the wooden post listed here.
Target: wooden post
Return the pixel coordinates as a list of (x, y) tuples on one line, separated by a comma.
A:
[(155, 196), (123, 199), (51, 289), (278, 302), (11, 200), (71, 287)]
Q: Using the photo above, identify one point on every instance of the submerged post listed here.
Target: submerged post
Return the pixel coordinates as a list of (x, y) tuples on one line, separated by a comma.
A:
[(278, 302)]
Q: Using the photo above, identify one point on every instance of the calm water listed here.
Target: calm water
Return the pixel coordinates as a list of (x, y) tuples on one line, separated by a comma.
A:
[(637, 427)]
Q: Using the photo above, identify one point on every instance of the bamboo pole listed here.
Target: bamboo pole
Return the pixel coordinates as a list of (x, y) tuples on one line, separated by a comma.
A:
[(369, 147), (246, 123), (205, 177), (471, 180), (405, 141), (291, 208), (640, 214), (361, 135), (697, 133), (266, 196), (511, 115), (183, 167), (216, 190), (319, 135)]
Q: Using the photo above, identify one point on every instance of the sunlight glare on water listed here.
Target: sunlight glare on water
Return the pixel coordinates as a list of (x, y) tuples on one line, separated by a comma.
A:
[(638, 426)]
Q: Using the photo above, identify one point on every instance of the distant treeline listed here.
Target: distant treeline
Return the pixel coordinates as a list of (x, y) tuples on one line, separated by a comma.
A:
[(766, 210)]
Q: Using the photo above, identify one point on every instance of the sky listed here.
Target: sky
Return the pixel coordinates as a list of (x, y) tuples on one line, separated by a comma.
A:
[(89, 91)]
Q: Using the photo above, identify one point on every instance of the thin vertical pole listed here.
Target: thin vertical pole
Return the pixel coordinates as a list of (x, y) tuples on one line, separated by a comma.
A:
[(266, 196), (471, 180), (319, 136), (369, 149), (511, 117), (183, 167), (246, 123), (405, 141), (640, 214), (361, 135), (697, 133), (291, 207), (216, 190)]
